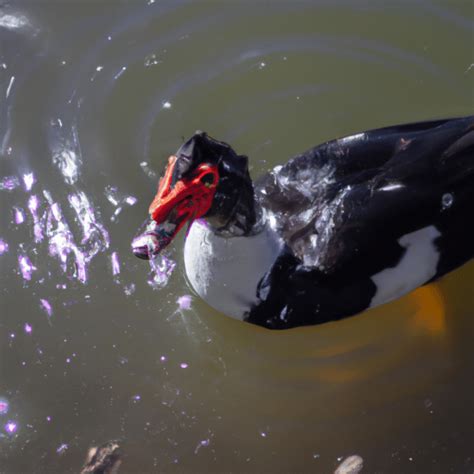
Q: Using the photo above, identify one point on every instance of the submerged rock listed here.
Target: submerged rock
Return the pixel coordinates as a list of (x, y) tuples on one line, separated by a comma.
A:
[(351, 465), (104, 459)]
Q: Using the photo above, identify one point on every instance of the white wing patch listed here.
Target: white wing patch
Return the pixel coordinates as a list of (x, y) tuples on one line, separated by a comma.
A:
[(417, 266)]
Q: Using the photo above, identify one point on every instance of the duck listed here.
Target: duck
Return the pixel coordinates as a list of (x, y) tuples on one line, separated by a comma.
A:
[(348, 225)]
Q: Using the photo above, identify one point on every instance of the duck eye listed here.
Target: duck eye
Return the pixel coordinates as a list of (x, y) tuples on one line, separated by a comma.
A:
[(208, 180)]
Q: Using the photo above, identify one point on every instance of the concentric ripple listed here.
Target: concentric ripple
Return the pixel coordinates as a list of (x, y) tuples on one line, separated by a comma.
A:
[(96, 345)]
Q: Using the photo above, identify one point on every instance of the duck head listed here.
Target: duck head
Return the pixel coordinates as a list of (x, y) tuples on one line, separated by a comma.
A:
[(205, 179)]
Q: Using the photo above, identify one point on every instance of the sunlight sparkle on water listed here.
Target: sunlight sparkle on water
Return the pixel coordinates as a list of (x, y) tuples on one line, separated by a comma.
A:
[(118, 200), (61, 242), (26, 267), (131, 200), (4, 406), (18, 216), (184, 302), (33, 205), (152, 60), (3, 247), (129, 289), (122, 70), (111, 193), (10, 85), (11, 427), (13, 22), (115, 263), (28, 328), (161, 268), (202, 444), (94, 233), (62, 448), (68, 163), (28, 181), (147, 170), (9, 183), (46, 306)]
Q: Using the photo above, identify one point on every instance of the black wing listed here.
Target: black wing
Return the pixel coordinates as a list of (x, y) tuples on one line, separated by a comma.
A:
[(342, 207)]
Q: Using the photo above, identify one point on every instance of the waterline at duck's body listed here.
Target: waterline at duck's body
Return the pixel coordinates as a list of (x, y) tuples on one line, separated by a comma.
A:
[(345, 226)]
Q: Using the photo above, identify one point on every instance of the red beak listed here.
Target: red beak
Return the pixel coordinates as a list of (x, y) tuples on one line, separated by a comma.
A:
[(188, 199)]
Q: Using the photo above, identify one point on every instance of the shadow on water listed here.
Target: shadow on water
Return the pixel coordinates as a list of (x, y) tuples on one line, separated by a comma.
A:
[(94, 343)]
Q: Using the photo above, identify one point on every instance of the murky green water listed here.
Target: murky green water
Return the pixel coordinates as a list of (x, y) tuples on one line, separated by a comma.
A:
[(89, 91)]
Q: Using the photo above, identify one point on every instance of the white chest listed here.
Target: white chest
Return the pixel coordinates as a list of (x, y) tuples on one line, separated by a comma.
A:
[(225, 272)]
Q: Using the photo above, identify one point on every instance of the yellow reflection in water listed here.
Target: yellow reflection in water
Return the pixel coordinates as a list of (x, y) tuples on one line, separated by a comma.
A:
[(361, 347), (336, 371), (384, 338), (431, 314)]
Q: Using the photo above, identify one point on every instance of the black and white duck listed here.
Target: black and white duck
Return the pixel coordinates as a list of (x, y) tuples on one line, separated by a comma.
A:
[(345, 226)]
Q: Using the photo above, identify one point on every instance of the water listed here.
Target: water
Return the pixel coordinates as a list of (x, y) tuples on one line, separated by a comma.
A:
[(94, 97)]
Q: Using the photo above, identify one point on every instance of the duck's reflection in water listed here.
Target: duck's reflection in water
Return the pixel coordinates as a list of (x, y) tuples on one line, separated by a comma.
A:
[(384, 354)]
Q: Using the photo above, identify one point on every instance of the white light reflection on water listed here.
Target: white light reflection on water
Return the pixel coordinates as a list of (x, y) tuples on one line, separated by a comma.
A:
[(121, 71), (161, 268), (29, 180), (3, 247), (46, 307), (4, 406), (33, 205), (26, 267), (67, 162), (13, 22), (184, 302), (147, 170), (115, 114), (9, 183), (66, 152), (9, 88), (11, 427), (90, 224), (73, 250), (115, 263), (62, 448), (118, 200), (61, 241), (18, 215), (202, 444)]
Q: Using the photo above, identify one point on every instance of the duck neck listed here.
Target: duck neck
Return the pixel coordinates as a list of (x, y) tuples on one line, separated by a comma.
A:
[(238, 213)]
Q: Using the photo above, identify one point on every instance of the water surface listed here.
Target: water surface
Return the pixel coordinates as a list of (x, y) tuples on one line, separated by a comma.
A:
[(94, 96)]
